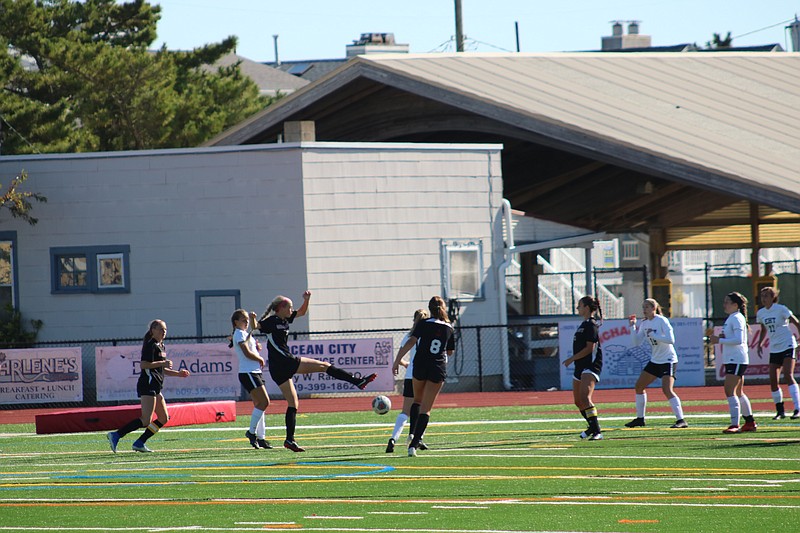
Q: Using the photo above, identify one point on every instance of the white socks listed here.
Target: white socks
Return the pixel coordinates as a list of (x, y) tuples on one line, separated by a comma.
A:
[(398, 425), (744, 401), (261, 428), (733, 405), (777, 396), (794, 392), (256, 419), (641, 405), (677, 409)]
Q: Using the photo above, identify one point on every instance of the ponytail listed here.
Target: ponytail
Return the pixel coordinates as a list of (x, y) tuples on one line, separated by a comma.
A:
[(438, 309), (419, 315), (594, 306), (276, 302), (655, 305), (740, 301), (239, 313), (149, 334)]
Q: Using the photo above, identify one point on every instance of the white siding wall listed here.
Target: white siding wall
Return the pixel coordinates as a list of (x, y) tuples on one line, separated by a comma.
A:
[(359, 224), (375, 218), (194, 220)]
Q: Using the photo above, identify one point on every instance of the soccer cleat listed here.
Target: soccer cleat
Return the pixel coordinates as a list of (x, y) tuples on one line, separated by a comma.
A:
[(680, 424), (733, 428), (390, 446), (795, 415), (779, 416), (635, 423), (252, 438), (750, 426), (412, 452), (264, 444), (422, 446), (586, 433), (141, 447), (292, 445), (113, 440), (366, 381), (596, 436)]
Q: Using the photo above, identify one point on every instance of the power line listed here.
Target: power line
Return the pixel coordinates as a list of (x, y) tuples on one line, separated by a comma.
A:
[(7, 123), (490, 45), (762, 29)]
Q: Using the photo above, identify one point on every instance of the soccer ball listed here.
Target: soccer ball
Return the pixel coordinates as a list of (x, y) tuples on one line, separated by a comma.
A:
[(381, 405)]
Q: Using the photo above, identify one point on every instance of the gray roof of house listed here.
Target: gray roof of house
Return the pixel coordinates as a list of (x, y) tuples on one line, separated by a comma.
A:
[(269, 80)]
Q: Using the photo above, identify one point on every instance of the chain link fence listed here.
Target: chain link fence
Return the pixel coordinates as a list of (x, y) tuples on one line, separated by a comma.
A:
[(477, 364)]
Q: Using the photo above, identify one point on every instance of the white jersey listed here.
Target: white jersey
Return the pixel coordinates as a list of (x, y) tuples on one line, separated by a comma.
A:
[(658, 333), (246, 365), (776, 321), (734, 343), (411, 353)]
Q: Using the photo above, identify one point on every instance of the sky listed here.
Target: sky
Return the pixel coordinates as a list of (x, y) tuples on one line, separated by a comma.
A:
[(320, 29)]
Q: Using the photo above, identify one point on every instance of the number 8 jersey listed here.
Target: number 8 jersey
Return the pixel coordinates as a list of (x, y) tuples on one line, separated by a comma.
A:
[(435, 339)]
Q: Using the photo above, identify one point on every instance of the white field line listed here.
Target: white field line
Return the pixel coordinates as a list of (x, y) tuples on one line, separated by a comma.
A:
[(572, 419)]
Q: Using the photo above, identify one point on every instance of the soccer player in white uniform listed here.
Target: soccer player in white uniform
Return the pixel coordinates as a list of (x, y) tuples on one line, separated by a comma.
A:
[(735, 357), (408, 389), (250, 374), (774, 319), (656, 329)]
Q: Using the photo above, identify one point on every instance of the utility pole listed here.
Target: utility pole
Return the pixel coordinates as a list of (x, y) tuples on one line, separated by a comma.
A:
[(516, 32), (277, 59), (459, 30)]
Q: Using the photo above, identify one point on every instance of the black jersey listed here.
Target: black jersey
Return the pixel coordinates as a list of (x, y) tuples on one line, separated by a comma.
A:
[(153, 352), (277, 331), (588, 331), (435, 338)]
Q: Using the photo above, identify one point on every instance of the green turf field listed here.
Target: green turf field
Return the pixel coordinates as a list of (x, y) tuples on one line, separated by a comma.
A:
[(488, 470)]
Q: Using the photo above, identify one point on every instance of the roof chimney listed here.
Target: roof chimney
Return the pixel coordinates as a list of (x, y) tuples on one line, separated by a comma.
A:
[(618, 41), (375, 43)]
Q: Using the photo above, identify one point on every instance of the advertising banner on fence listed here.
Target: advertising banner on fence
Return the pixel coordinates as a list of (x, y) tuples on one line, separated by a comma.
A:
[(623, 362), (759, 364), (214, 369), (357, 356), (41, 375)]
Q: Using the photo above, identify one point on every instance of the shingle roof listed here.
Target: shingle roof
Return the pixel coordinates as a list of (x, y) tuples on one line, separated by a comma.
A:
[(269, 80), (724, 124)]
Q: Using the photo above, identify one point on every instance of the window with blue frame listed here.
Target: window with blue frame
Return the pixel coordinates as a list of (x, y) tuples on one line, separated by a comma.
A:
[(92, 269)]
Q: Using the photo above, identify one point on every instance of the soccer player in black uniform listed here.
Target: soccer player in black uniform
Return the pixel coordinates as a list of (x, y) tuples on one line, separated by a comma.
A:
[(283, 365), (435, 343), (151, 380), (588, 359)]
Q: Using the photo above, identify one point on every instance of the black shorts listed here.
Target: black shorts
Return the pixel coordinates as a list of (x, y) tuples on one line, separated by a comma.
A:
[(735, 369), (251, 380), (433, 371), (283, 367), (594, 368), (778, 358), (146, 388), (408, 387), (660, 370)]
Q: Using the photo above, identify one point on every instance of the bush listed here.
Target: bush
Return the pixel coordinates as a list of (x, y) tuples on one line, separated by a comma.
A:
[(13, 332)]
